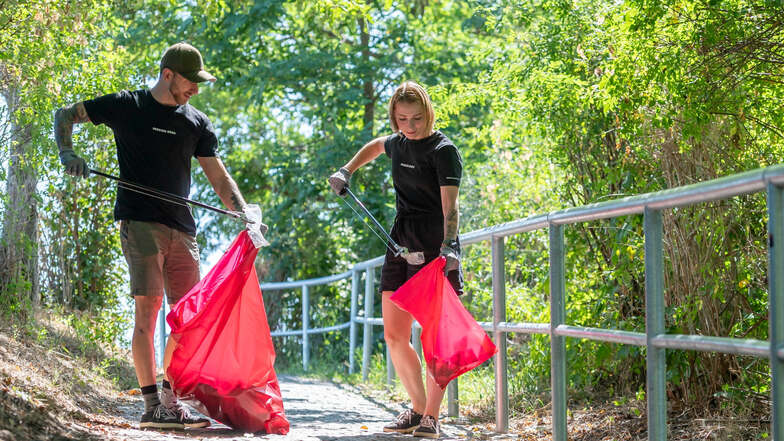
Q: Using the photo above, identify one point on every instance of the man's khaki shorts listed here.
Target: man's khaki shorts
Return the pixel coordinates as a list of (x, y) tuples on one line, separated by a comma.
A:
[(159, 259)]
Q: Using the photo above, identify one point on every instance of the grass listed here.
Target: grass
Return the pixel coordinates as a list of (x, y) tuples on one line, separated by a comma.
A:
[(51, 374)]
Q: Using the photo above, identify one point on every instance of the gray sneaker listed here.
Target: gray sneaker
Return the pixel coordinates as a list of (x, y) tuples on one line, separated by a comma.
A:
[(161, 417), (428, 428), (185, 417)]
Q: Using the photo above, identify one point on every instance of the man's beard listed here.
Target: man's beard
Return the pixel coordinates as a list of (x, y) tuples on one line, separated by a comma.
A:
[(179, 97)]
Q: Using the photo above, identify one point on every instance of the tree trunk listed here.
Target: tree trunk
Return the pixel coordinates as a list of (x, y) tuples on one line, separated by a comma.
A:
[(19, 282), (368, 92)]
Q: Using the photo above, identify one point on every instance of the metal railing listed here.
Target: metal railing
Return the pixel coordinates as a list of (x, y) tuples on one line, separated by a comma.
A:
[(355, 274), (654, 338)]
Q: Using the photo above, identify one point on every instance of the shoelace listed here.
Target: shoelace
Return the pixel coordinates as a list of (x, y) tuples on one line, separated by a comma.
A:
[(405, 417), (162, 411), (180, 411), (428, 422)]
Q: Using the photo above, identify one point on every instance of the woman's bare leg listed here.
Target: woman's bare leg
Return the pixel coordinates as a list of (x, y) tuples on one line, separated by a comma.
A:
[(434, 397), (397, 333)]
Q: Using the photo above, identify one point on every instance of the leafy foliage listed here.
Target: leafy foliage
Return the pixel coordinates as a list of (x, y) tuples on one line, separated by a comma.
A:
[(46, 64), (552, 103)]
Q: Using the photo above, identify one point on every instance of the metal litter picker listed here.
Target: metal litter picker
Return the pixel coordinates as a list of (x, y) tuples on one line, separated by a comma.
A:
[(251, 216), (412, 257)]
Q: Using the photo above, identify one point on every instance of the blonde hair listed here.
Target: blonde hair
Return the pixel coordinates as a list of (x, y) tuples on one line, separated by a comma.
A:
[(412, 93)]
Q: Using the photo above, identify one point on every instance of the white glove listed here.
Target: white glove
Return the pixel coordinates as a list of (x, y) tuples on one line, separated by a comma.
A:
[(256, 228)]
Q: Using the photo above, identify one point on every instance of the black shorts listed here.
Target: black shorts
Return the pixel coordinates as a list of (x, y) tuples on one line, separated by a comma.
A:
[(417, 234)]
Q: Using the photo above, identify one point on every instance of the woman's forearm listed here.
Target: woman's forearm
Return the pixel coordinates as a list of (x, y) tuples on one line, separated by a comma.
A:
[(450, 207), (367, 153)]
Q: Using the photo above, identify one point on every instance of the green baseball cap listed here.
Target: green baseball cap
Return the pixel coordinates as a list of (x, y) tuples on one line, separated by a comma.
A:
[(186, 61)]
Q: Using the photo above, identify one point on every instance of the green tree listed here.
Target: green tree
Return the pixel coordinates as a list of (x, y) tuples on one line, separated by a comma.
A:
[(636, 97), (55, 229)]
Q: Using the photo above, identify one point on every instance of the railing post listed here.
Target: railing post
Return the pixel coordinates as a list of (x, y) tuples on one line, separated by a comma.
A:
[(654, 326), (352, 336), (416, 337), (557, 343), (305, 326), (162, 332), (499, 315), (390, 367), (368, 335), (776, 306), (453, 403)]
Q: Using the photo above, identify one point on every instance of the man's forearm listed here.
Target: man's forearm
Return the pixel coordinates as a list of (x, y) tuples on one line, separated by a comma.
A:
[(222, 183), (64, 120), (230, 195)]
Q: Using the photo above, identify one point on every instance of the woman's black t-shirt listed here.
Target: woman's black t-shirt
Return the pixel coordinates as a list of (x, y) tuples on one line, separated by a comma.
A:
[(419, 168), (155, 144)]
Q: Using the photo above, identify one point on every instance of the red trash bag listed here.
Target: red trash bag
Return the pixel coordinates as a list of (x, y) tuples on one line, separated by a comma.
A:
[(223, 361), (453, 343)]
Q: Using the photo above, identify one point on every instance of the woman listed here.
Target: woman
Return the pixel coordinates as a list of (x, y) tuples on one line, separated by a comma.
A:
[(426, 172)]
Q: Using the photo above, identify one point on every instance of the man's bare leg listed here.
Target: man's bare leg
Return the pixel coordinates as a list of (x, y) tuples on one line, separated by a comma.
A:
[(143, 342)]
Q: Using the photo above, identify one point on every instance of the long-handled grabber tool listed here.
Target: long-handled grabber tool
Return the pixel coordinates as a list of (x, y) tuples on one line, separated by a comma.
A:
[(412, 257), (251, 216), (169, 197)]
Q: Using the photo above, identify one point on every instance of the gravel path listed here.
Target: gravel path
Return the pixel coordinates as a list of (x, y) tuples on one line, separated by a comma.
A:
[(317, 411)]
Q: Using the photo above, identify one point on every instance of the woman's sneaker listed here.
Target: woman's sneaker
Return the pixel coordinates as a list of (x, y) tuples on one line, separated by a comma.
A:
[(406, 422), (161, 417), (428, 428)]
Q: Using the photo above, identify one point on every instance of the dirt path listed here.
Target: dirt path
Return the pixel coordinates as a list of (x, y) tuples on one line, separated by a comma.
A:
[(317, 411)]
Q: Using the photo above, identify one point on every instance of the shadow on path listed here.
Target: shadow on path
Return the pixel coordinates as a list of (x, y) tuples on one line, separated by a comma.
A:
[(317, 411)]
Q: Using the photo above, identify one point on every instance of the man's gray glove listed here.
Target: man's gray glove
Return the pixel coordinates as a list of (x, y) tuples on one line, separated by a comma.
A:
[(74, 165), (339, 181), (452, 256)]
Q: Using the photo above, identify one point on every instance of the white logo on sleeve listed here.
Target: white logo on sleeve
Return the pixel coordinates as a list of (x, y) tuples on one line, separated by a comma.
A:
[(403, 164), (168, 132)]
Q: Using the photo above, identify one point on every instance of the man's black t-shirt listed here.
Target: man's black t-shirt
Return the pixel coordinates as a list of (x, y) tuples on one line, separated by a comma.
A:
[(419, 168), (155, 144)]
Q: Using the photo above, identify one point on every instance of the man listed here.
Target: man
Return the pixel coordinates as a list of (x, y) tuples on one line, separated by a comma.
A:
[(156, 132)]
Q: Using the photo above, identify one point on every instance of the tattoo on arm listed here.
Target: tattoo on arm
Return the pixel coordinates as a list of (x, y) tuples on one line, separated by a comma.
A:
[(450, 224), (64, 120), (236, 197)]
